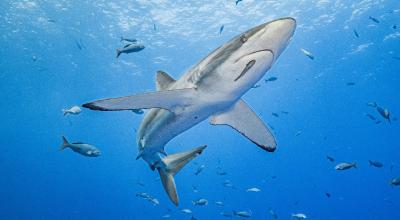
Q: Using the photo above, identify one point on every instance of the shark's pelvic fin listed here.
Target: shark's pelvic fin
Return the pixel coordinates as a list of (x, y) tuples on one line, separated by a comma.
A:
[(171, 165), (245, 121), (168, 99), (163, 80)]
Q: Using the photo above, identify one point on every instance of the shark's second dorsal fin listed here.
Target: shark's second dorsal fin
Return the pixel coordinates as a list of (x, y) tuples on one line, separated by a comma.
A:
[(163, 80)]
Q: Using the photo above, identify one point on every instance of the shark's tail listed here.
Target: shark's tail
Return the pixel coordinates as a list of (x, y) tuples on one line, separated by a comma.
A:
[(171, 165), (65, 112), (65, 143), (118, 52)]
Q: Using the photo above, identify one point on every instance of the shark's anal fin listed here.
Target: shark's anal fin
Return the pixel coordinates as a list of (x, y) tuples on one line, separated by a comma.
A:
[(245, 121), (163, 80), (168, 99), (171, 165)]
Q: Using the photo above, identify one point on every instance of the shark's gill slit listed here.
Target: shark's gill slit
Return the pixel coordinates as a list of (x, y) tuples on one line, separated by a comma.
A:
[(246, 68), (257, 51)]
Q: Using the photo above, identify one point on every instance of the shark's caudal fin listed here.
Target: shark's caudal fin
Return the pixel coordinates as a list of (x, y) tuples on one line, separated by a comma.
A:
[(168, 99), (245, 121), (65, 143), (171, 165)]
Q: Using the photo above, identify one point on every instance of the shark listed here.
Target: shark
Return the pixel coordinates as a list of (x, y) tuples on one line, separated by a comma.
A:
[(213, 88)]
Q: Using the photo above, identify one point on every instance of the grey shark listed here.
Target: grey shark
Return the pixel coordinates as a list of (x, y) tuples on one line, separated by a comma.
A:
[(211, 89)]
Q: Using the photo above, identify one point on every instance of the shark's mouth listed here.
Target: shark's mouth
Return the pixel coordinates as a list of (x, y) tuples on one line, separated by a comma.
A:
[(257, 51)]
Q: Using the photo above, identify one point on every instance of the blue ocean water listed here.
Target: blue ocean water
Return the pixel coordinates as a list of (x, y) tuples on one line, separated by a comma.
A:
[(57, 54)]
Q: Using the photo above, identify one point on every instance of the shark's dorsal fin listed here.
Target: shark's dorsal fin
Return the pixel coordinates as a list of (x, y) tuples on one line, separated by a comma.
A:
[(163, 80), (245, 121)]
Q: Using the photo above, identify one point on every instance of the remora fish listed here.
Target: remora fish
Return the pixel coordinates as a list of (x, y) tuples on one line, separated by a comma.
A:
[(130, 48), (210, 89)]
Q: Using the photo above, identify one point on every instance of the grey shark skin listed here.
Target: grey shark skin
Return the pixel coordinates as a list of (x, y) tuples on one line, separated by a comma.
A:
[(211, 89)]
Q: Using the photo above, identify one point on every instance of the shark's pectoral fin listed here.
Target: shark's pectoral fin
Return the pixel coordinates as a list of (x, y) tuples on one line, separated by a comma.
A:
[(244, 120), (168, 99), (163, 80)]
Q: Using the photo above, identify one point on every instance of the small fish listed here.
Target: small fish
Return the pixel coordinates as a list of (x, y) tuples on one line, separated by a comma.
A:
[(396, 58), (370, 117), (166, 216), (244, 214), (142, 195), (272, 78), (155, 201), (298, 133), (307, 53), (299, 216), (138, 111), (372, 104), (193, 218), (384, 112), (186, 211), (328, 194), (148, 197), (256, 86), (200, 202), (254, 189), (130, 48), (350, 83), (395, 181), (375, 163), (81, 148), (219, 203), (132, 40), (391, 167), (394, 26), (378, 122), (74, 110), (356, 33), (273, 213), (237, 1), (285, 112), (221, 29), (331, 159), (221, 173), (140, 183), (374, 19), (199, 169), (345, 166), (228, 183), (51, 20), (78, 44), (275, 114), (34, 58), (154, 27)]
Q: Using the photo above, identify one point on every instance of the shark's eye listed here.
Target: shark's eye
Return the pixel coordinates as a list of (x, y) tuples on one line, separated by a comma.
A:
[(243, 38)]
